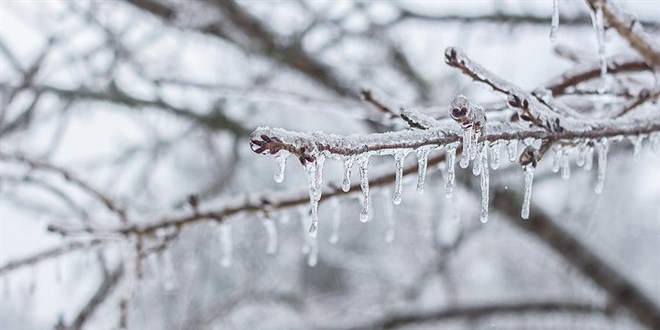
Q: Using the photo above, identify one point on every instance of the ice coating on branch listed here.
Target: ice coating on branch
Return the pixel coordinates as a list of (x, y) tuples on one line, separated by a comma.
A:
[(271, 231), (555, 20), (599, 26), (484, 184), (512, 150), (314, 172), (472, 119), (602, 146), (227, 244), (348, 165), (399, 157), (636, 141), (528, 172), (422, 157), (495, 155), (336, 220), (451, 170), (363, 163), (280, 158)]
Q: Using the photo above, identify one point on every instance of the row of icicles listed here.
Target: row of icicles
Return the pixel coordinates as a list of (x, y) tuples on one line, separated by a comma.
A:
[(484, 155)]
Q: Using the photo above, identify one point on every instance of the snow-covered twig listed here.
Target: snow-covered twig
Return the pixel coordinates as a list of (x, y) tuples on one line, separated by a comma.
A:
[(49, 254)]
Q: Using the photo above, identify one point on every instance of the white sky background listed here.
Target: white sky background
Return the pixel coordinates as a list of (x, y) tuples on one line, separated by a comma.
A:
[(98, 132)]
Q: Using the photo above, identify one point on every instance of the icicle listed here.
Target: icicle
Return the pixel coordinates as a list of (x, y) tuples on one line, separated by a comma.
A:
[(601, 149), (495, 155), (422, 157), (467, 145), (389, 218), (636, 141), (484, 184), (589, 158), (398, 186), (556, 159), (512, 150), (527, 198), (348, 164), (477, 164), (581, 156), (336, 220), (451, 171), (227, 244), (655, 142), (280, 158), (313, 256), (599, 26), (555, 21), (271, 231), (363, 163), (565, 164), (315, 177)]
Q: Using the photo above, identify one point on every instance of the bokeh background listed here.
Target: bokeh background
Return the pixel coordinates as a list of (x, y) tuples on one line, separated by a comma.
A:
[(152, 101)]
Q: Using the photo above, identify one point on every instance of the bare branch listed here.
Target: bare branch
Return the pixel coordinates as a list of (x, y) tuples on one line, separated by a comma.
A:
[(49, 254)]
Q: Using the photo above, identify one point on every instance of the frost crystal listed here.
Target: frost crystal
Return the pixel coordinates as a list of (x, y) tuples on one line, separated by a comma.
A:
[(528, 171), (422, 157), (399, 157), (495, 155), (512, 150), (363, 163), (555, 21), (271, 231), (336, 221), (602, 146), (451, 171), (227, 244), (346, 183), (484, 183), (280, 158)]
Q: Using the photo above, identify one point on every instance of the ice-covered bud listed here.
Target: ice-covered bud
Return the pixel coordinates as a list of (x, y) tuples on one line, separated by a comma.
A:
[(467, 114)]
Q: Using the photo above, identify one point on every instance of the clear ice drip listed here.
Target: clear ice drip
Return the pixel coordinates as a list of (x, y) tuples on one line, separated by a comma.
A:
[(484, 183), (636, 141), (399, 157), (363, 163), (565, 164), (555, 20), (602, 146), (451, 170), (348, 165), (512, 150), (495, 155), (315, 179), (280, 158), (599, 26), (422, 157), (528, 172), (467, 146)]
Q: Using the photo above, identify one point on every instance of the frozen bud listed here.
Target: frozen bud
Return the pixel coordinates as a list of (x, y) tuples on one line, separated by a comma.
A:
[(466, 113)]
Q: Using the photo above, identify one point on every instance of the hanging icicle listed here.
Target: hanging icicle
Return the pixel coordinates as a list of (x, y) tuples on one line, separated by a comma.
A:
[(636, 141), (313, 255), (528, 172), (314, 172), (602, 146), (422, 158), (280, 158), (348, 165), (227, 244), (512, 150), (484, 183), (271, 231), (555, 21), (399, 157), (363, 163), (495, 155), (599, 26), (451, 171)]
